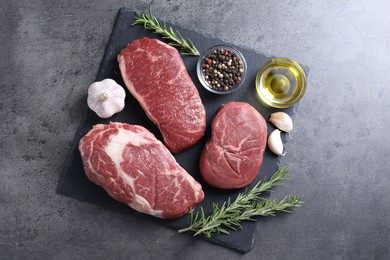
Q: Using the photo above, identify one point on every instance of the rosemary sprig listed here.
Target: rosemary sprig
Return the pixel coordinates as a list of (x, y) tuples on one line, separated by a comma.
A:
[(176, 39), (246, 206)]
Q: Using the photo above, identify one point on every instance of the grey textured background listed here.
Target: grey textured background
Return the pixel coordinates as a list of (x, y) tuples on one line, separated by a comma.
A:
[(338, 157)]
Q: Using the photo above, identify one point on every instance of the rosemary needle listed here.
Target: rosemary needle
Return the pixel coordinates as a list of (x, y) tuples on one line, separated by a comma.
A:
[(176, 39), (246, 206)]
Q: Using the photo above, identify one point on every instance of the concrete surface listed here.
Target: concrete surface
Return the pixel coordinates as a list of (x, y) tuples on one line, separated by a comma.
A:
[(338, 157)]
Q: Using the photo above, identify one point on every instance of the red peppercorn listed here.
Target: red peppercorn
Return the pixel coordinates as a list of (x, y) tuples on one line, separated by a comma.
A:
[(226, 53), (209, 61)]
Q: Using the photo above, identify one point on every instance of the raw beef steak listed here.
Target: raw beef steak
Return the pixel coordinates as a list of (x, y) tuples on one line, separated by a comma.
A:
[(156, 76), (233, 155), (138, 170)]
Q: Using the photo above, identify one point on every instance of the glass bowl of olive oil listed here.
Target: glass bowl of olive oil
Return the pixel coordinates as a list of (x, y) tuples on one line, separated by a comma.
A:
[(280, 82)]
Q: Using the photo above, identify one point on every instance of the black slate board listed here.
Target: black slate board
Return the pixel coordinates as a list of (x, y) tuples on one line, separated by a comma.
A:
[(75, 184)]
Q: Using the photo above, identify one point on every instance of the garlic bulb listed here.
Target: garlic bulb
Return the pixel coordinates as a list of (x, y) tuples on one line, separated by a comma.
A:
[(275, 143), (282, 121), (106, 98)]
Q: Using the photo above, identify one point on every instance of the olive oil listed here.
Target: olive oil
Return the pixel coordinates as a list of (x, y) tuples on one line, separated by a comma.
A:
[(280, 82)]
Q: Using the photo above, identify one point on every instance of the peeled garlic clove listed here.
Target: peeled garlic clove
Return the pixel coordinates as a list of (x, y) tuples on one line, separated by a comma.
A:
[(275, 143), (282, 121)]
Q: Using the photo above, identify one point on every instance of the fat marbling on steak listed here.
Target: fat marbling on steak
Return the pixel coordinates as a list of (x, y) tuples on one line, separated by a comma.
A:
[(156, 76), (233, 155), (137, 169)]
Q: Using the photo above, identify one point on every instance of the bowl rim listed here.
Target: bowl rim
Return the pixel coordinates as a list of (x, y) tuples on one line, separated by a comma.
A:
[(201, 76)]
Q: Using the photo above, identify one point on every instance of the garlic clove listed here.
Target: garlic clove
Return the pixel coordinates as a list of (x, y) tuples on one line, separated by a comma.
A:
[(275, 143), (282, 121)]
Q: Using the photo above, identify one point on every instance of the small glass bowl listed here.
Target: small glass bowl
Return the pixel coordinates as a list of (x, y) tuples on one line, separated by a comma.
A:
[(199, 69), (280, 82)]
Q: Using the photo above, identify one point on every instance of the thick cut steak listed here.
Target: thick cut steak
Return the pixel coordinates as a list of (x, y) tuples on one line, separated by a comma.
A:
[(156, 76), (137, 169), (232, 157)]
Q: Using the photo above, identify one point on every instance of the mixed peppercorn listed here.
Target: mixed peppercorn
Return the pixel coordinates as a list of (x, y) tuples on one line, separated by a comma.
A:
[(222, 69)]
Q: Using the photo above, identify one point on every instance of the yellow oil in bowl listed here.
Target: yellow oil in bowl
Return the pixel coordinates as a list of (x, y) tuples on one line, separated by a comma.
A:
[(280, 82)]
